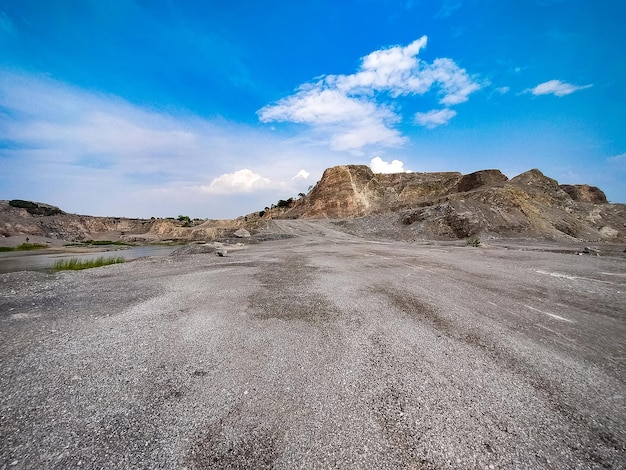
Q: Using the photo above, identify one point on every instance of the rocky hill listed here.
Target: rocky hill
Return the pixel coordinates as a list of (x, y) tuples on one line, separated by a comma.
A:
[(451, 205), (408, 206), (34, 219)]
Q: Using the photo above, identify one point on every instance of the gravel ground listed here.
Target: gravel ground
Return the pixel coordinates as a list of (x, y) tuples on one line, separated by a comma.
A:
[(318, 350)]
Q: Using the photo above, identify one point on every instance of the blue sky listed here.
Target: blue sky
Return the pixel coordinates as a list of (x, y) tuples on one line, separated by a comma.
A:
[(215, 109)]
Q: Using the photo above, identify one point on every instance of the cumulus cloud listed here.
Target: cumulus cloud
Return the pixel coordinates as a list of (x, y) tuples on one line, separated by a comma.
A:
[(302, 174), (556, 88), (378, 165), (435, 117), (393, 70), (351, 111), (350, 122), (242, 181)]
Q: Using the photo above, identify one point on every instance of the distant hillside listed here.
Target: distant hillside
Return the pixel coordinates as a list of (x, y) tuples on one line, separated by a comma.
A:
[(27, 218), (451, 205), (408, 206)]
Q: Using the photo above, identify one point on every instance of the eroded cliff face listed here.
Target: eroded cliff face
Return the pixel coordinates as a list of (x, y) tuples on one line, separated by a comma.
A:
[(343, 191), (452, 205), (354, 191)]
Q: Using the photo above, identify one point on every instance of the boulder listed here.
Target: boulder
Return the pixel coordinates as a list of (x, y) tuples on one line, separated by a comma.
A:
[(242, 233)]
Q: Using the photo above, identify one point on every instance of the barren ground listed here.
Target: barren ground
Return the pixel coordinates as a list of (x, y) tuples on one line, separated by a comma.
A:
[(318, 351)]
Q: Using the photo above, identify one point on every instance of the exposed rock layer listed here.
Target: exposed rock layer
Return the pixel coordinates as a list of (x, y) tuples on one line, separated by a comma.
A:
[(452, 205)]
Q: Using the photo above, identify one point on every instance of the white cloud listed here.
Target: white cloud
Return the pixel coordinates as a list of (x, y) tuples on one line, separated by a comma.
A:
[(315, 105), (98, 154), (503, 90), (302, 174), (350, 122), (350, 111), (242, 181), (435, 117), (456, 85), (393, 69), (378, 165), (557, 88)]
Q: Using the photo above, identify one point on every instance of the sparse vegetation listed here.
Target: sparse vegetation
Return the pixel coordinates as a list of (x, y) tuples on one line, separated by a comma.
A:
[(98, 243), (75, 264), (23, 247), (282, 203), (474, 241), (35, 209), (185, 219), (104, 242)]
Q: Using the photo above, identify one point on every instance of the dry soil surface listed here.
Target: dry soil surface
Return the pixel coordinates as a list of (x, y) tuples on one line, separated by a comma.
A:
[(319, 351)]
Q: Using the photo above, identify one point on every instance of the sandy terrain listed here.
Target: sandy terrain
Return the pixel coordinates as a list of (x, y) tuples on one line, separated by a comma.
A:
[(319, 351)]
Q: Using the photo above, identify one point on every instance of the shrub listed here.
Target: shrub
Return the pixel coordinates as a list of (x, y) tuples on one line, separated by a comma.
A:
[(35, 209), (474, 241)]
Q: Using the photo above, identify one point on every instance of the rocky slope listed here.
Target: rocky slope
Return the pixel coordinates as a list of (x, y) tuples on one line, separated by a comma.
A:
[(26, 218), (452, 206), (409, 206)]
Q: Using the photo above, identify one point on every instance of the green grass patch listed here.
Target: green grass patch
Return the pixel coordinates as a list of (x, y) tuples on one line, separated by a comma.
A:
[(97, 243), (23, 247), (105, 242), (75, 264), (30, 246)]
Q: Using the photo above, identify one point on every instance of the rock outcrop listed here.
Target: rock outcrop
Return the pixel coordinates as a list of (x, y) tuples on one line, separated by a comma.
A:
[(354, 191), (450, 205), (480, 179), (585, 193)]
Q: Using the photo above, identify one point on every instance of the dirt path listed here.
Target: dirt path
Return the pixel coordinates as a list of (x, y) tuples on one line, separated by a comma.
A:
[(318, 351)]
